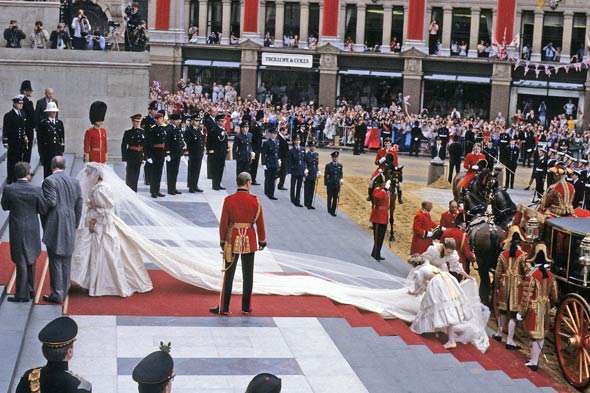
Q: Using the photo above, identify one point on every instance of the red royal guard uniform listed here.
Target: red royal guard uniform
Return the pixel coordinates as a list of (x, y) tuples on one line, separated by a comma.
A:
[(471, 160), (464, 250), (558, 199), (95, 138), (422, 225), (241, 211), (447, 219), (382, 153), (379, 218)]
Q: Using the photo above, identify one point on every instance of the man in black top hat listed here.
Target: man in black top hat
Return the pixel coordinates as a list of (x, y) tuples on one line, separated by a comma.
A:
[(155, 149), (155, 372), (332, 180), (270, 163), (132, 151), (14, 136), (175, 150), (216, 148), (242, 149), (29, 110), (194, 137), (264, 383), (58, 338), (148, 123)]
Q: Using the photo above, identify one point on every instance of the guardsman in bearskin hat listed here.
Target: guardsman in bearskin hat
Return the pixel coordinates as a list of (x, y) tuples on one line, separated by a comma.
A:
[(95, 138), (333, 179), (26, 89), (58, 338), (132, 147), (14, 136), (155, 372), (379, 214), (312, 161), (539, 296), (557, 200), (474, 162), (238, 239), (510, 273)]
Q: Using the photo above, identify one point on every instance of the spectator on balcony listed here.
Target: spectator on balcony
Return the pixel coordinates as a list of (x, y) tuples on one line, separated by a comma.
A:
[(138, 38), (13, 35), (267, 40), (312, 42), (395, 45), (481, 49), (549, 52), (526, 52), (96, 41), (463, 49), (133, 19), (234, 39), (60, 38), (213, 38), (82, 28), (39, 37), (433, 37)]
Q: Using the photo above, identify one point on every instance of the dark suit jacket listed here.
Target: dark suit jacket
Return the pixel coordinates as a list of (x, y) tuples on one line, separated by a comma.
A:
[(63, 197), (40, 110), (14, 131), (442, 152), (455, 151), (29, 111), (25, 203)]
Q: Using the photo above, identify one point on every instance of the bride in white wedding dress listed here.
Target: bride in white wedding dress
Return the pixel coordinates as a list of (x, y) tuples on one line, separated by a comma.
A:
[(150, 233)]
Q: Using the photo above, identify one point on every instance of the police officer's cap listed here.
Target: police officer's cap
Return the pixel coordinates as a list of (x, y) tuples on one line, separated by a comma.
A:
[(155, 368), (187, 117), (264, 383), (18, 98), (220, 117), (137, 116), (59, 333), (335, 154), (153, 106), (175, 116)]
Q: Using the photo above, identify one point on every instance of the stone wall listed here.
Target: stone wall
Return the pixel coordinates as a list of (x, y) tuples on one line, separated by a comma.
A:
[(121, 79), (26, 13)]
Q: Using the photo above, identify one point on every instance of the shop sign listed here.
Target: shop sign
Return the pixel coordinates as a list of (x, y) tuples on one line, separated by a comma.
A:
[(287, 60)]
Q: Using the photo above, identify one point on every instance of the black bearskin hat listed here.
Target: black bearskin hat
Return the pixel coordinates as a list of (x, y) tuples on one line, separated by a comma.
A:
[(98, 111)]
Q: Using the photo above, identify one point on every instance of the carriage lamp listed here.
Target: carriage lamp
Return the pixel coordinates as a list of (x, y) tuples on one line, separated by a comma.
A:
[(585, 257), (532, 229)]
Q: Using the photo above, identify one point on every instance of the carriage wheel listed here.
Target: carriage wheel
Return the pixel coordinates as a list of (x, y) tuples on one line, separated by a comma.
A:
[(572, 339)]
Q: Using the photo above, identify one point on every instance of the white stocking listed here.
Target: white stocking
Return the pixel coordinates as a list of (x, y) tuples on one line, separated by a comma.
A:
[(511, 328), (536, 348), (451, 334), (501, 322)]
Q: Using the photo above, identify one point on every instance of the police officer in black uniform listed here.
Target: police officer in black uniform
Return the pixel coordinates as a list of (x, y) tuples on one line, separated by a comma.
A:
[(443, 135), (528, 147), (58, 338), (270, 163), (511, 163), (26, 89), (132, 151), (539, 172), (216, 148), (283, 141), (155, 150), (14, 136), (174, 151), (333, 175), (504, 142), (194, 137), (155, 372), (148, 124), (297, 168), (491, 154), (256, 130), (312, 160), (50, 137), (242, 149)]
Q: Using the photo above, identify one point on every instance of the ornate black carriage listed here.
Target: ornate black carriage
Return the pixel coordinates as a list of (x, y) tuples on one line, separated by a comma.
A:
[(568, 239)]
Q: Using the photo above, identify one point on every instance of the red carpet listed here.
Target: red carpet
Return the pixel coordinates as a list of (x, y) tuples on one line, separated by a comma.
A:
[(7, 268)]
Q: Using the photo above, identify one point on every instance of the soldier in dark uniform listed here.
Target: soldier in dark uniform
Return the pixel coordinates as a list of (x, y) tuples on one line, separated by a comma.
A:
[(491, 154), (242, 149), (469, 139), (539, 172), (14, 136), (216, 148), (148, 123), (29, 110), (132, 151), (443, 135), (579, 189), (270, 163), (511, 163), (504, 142), (296, 166), (312, 160), (256, 130), (283, 156), (333, 175), (585, 176), (174, 151), (194, 137), (155, 372), (360, 131), (50, 137), (528, 147), (58, 338), (155, 150)]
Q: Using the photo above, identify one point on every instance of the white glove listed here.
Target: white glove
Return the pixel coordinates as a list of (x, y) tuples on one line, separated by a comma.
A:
[(150, 161), (381, 160), (252, 155), (305, 172), (168, 158), (475, 167), (264, 167), (519, 317), (428, 234), (443, 229), (341, 181), (319, 173), (280, 162), (388, 184)]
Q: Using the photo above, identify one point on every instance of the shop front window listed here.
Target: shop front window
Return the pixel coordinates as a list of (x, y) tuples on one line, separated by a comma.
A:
[(374, 27), (206, 76), (369, 92), (527, 29), (470, 99), (292, 87), (461, 26), (578, 37), (552, 36)]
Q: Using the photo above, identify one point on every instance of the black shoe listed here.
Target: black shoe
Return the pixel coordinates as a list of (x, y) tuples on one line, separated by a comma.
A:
[(215, 310), (273, 198), (333, 214), (198, 190), (527, 188), (15, 299), (171, 193), (255, 183), (154, 195), (221, 187), (247, 312), (216, 188), (32, 294), (511, 347), (283, 188), (177, 192), (532, 367), (192, 191), (497, 338), (400, 201), (161, 195), (51, 299)]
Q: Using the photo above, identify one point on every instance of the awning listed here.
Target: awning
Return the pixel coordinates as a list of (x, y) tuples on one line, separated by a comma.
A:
[(358, 72), (458, 78), (209, 63), (552, 85)]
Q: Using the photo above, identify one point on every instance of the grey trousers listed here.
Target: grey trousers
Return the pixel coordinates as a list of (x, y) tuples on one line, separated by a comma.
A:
[(25, 278), (59, 275)]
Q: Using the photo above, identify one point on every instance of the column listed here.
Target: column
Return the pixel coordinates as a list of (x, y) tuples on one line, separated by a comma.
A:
[(248, 69), (414, 25), (202, 37), (387, 16), (225, 21), (568, 26), (303, 23), (342, 23), (446, 30), (359, 45), (537, 36), (249, 25), (500, 95), (279, 22), (586, 107), (504, 21), (474, 32), (412, 83), (262, 18), (587, 33), (329, 10), (328, 75)]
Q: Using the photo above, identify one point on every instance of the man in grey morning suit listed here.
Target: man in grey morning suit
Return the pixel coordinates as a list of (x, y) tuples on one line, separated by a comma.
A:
[(25, 202), (63, 197)]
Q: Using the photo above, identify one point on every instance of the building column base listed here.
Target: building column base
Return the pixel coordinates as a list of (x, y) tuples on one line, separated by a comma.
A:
[(535, 57), (278, 43), (564, 59), (445, 52), (385, 49), (472, 53), (418, 45), (358, 47), (335, 41)]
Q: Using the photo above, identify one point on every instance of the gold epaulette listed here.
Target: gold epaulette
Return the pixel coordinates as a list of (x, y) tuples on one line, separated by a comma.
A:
[(35, 380)]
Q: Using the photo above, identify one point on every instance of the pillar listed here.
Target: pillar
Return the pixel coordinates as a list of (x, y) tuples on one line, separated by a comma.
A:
[(328, 75), (279, 22), (446, 30), (474, 32), (387, 16), (537, 36), (504, 21), (249, 26), (359, 44), (262, 18), (412, 83), (163, 15), (202, 37), (500, 97), (342, 23), (329, 12), (303, 23), (225, 21), (568, 28), (248, 69), (415, 23), (587, 32)]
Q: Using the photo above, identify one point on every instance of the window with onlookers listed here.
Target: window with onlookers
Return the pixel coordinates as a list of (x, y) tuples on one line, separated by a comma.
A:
[(460, 29), (552, 36), (527, 30), (214, 17), (397, 23), (269, 19), (350, 23), (578, 37), (374, 26), (234, 26), (291, 24), (314, 20)]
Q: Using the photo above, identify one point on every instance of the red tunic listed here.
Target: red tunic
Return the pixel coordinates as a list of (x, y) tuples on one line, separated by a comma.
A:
[(382, 153), (539, 296), (380, 211), (447, 219), (95, 145), (471, 159), (236, 227), (463, 247), (422, 225)]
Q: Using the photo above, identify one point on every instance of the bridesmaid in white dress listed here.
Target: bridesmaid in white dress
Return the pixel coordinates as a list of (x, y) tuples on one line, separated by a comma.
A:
[(99, 263)]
